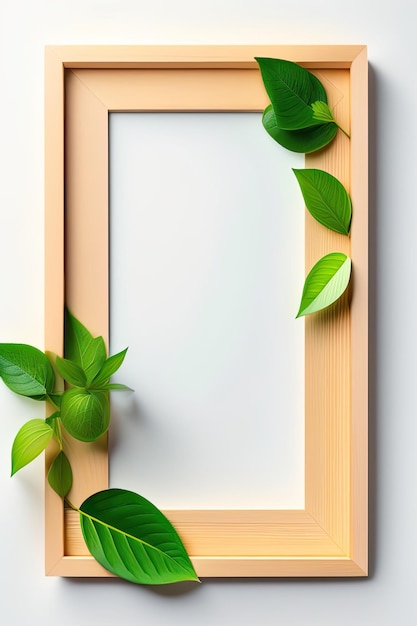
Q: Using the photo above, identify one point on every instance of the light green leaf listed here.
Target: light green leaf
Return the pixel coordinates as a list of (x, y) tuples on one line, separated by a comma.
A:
[(304, 141), (321, 112), (326, 199), (325, 283), (71, 372), (131, 538), (82, 348), (29, 442), (26, 370), (85, 414), (60, 475), (291, 89), (110, 366)]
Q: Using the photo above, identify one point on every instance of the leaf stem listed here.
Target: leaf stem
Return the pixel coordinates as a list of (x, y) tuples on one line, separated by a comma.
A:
[(71, 506), (343, 130)]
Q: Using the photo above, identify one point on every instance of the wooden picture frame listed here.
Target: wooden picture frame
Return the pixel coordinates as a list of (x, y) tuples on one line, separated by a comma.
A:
[(329, 536)]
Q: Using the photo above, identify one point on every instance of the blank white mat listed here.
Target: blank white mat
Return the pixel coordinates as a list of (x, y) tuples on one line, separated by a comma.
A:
[(207, 269)]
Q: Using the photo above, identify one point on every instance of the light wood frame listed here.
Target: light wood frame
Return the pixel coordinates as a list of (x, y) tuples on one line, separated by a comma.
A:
[(328, 537)]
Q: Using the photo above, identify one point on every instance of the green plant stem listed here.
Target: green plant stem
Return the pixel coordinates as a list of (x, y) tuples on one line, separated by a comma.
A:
[(58, 431), (343, 130), (71, 506)]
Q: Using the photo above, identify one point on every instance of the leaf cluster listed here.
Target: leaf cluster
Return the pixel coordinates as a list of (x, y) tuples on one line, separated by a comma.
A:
[(83, 408), (124, 532), (299, 119)]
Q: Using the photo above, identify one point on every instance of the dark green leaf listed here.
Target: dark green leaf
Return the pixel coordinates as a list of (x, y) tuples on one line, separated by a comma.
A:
[(82, 348), (52, 418), (111, 365), (71, 372), (325, 283), (29, 442), (26, 370), (326, 199), (60, 475), (131, 538), (291, 89), (85, 414), (305, 141)]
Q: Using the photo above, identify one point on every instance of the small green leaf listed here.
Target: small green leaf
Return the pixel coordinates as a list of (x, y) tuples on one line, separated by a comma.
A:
[(325, 283), (131, 538), (291, 89), (71, 372), (55, 424), (52, 418), (60, 475), (326, 199), (85, 414), (110, 366), (26, 370), (82, 348), (304, 141), (321, 112), (116, 387), (29, 442), (56, 398)]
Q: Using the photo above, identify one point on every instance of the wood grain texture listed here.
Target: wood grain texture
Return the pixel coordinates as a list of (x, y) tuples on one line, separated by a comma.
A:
[(328, 538)]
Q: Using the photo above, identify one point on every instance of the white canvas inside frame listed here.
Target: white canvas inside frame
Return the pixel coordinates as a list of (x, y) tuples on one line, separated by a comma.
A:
[(207, 268)]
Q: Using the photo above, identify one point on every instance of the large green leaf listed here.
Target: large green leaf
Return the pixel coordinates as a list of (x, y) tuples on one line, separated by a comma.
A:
[(291, 89), (82, 348), (326, 199), (110, 366), (85, 414), (26, 370), (304, 141), (60, 475), (325, 283), (131, 538), (29, 442)]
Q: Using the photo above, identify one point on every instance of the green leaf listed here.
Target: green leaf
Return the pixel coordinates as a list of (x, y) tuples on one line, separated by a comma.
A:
[(56, 398), (82, 348), (26, 370), (52, 418), (131, 538), (71, 372), (29, 442), (325, 283), (60, 475), (326, 199), (321, 112), (85, 414), (305, 141), (55, 424), (110, 366), (291, 89), (116, 387)]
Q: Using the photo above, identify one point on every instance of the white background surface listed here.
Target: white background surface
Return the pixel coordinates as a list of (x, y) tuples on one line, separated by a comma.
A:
[(207, 267), (387, 598)]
